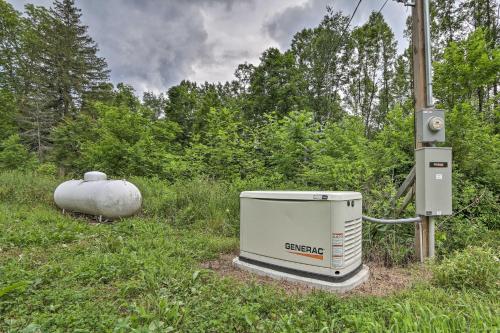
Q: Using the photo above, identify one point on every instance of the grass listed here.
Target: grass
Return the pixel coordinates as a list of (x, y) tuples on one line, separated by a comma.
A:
[(142, 274)]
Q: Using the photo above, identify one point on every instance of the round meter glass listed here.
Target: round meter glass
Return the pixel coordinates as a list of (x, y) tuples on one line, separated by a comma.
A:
[(436, 123)]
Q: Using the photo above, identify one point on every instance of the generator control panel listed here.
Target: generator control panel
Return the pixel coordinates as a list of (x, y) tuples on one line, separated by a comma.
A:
[(433, 181)]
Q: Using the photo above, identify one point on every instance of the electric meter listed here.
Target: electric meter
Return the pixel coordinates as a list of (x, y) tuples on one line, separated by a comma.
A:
[(436, 124), (430, 125)]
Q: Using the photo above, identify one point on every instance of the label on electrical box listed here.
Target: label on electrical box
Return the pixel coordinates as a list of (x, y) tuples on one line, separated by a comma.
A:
[(338, 238), (438, 164), (439, 176), (320, 197), (337, 249)]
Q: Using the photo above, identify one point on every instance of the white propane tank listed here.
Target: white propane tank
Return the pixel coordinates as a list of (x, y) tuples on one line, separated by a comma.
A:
[(95, 195)]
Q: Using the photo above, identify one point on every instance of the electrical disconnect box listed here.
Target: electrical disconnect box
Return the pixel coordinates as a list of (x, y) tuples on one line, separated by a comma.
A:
[(430, 125), (433, 181)]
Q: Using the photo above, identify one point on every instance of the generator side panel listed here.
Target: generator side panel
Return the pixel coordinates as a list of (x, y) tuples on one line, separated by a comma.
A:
[(289, 230), (346, 237)]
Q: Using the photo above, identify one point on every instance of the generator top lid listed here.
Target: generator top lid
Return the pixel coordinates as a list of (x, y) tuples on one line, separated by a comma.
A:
[(302, 195)]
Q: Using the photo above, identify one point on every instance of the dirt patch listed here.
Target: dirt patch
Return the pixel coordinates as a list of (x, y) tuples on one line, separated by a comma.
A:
[(383, 281), (6, 254), (223, 266)]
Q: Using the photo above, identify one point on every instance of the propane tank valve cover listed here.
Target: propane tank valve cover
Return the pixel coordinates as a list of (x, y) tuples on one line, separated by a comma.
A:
[(94, 175)]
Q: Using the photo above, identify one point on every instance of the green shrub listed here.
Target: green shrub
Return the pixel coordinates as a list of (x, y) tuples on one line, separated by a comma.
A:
[(48, 168), (474, 268), (14, 155), (214, 204)]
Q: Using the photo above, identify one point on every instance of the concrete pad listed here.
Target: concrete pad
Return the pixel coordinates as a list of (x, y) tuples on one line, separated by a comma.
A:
[(338, 287)]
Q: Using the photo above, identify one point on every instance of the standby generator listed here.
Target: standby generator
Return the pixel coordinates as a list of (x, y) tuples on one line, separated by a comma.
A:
[(310, 234)]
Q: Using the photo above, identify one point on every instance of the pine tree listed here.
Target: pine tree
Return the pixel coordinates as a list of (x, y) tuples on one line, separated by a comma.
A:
[(10, 55), (57, 72), (36, 117), (78, 73)]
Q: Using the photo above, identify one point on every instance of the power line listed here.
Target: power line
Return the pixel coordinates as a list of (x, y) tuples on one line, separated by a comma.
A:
[(353, 13), (380, 10)]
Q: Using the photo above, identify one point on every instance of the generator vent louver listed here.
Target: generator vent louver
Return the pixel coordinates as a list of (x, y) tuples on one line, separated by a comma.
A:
[(352, 243)]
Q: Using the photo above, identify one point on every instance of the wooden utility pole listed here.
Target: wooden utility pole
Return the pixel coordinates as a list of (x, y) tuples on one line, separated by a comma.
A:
[(421, 101)]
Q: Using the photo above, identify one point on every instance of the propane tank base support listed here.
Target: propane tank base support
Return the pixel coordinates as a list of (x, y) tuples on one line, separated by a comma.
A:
[(340, 287)]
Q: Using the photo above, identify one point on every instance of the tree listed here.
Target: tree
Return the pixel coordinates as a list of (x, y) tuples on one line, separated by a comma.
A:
[(482, 14), (10, 53), (476, 146), (119, 141), (369, 92), (36, 113), (446, 24), (340, 156), (222, 151), (14, 155), (286, 145), (69, 137), (468, 72), (77, 72), (49, 63), (276, 85), (322, 55), (8, 113), (156, 103), (402, 82), (183, 102)]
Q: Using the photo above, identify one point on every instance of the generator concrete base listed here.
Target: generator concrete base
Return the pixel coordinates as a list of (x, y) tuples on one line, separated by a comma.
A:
[(338, 287)]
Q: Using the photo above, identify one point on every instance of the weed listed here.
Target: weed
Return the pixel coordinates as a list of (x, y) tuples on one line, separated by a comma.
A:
[(142, 274), (473, 268)]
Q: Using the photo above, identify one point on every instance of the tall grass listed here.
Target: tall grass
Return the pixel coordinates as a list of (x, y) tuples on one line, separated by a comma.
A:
[(143, 274), (27, 188), (209, 206)]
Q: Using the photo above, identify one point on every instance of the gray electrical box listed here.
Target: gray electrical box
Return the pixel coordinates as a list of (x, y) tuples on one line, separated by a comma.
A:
[(430, 125), (433, 181)]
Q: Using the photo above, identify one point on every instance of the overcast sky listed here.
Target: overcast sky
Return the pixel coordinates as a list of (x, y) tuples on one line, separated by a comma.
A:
[(154, 44)]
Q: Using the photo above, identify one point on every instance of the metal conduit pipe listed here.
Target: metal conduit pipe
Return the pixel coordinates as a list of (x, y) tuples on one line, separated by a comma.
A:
[(392, 221), (428, 57), (431, 237)]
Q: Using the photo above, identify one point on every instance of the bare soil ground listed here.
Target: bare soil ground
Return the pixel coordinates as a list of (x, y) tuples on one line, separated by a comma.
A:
[(383, 281)]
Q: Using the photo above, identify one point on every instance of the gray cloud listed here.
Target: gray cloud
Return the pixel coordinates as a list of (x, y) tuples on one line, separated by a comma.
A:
[(283, 25), (154, 44), (151, 44), (141, 40)]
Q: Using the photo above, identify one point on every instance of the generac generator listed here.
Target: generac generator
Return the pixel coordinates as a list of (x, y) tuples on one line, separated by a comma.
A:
[(310, 234)]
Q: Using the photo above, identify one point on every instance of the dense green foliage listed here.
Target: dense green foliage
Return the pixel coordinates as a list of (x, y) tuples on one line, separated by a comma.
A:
[(142, 274), (332, 112), (474, 268)]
